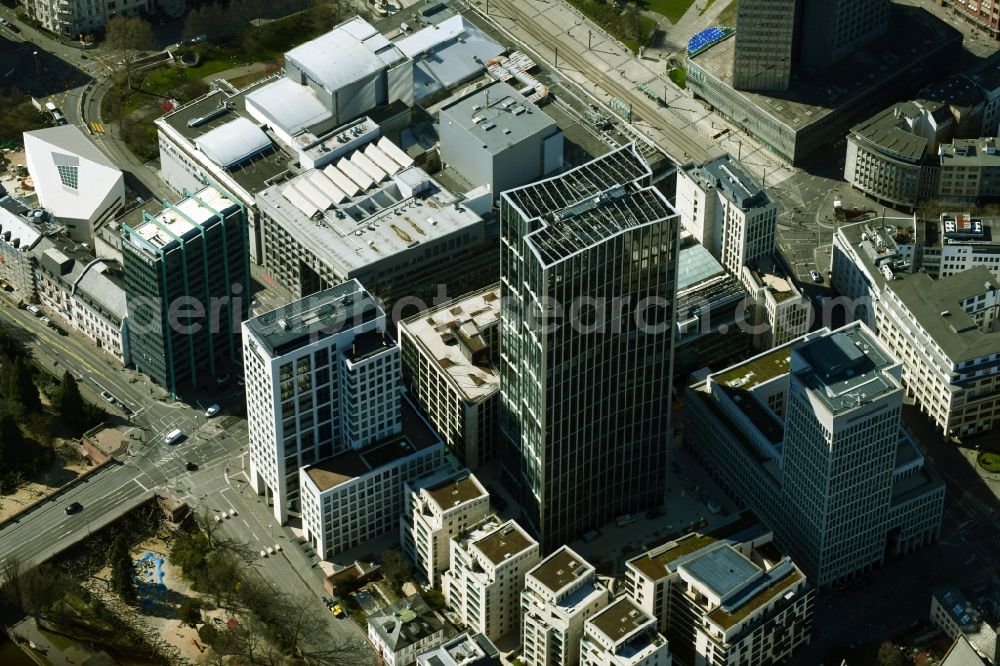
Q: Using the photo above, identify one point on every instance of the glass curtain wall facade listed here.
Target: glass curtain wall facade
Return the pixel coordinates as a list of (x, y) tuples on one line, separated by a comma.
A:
[(588, 268)]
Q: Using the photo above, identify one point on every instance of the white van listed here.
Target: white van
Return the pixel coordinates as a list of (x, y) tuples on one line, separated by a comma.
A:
[(34, 310), (173, 436)]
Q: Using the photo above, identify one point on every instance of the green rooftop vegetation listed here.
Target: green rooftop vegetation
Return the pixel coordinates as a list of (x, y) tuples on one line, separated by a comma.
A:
[(727, 620), (758, 370)]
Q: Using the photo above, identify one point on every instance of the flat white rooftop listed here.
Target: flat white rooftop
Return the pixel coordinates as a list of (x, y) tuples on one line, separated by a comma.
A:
[(182, 218), (406, 210), (463, 321)]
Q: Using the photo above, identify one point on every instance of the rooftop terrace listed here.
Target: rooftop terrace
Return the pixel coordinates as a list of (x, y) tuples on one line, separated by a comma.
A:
[(727, 619), (503, 543), (447, 331), (309, 319), (620, 620), (560, 569), (182, 220), (454, 492)]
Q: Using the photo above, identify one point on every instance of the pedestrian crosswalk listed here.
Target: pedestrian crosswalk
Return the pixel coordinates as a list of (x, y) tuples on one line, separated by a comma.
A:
[(977, 509), (97, 127)]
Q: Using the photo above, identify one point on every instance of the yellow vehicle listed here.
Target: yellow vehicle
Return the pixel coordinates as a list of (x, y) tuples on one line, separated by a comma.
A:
[(337, 611)]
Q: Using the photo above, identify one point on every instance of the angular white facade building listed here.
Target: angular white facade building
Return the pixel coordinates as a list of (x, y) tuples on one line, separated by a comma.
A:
[(559, 595), (623, 635), (488, 565), (439, 508), (74, 180)]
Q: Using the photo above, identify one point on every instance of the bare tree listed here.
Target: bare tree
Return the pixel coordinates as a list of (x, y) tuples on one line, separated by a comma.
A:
[(128, 37)]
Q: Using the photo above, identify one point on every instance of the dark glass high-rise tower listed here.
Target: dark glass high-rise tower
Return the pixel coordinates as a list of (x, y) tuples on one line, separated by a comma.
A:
[(776, 38), (588, 278), (187, 280)]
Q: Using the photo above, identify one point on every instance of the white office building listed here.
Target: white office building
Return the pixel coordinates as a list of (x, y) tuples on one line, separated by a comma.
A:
[(947, 333), (775, 431), (450, 353), (722, 600), (495, 136), (322, 378), (727, 212), (439, 508), (623, 635), (953, 243), (79, 186), (559, 595), (483, 585)]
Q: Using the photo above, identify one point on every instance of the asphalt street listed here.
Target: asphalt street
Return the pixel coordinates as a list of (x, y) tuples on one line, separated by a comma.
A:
[(153, 465)]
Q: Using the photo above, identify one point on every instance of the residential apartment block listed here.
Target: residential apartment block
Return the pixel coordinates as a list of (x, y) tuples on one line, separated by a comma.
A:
[(451, 354), (597, 231), (483, 585), (947, 333), (322, 378), (724, 600), (187, 284), (777, 430), (559, 595), (85, 293), (727, 212), (623, 635), (73, 18), (437, 509)]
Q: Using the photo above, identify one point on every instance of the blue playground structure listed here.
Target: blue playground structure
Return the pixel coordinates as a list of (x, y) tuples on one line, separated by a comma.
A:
[(706, 38)]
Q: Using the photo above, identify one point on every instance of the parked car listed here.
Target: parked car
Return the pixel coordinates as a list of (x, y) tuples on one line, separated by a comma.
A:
[(174, 436), (212, 410), (816, 277), (73, 507), (338, 611), (33, 309), (191, 467), (46, 321), (108, 397)]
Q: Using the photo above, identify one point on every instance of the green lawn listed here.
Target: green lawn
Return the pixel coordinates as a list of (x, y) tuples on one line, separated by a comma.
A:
[(679, 76), (672, 9), (727, 17), (989, 461), (632, 29)]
